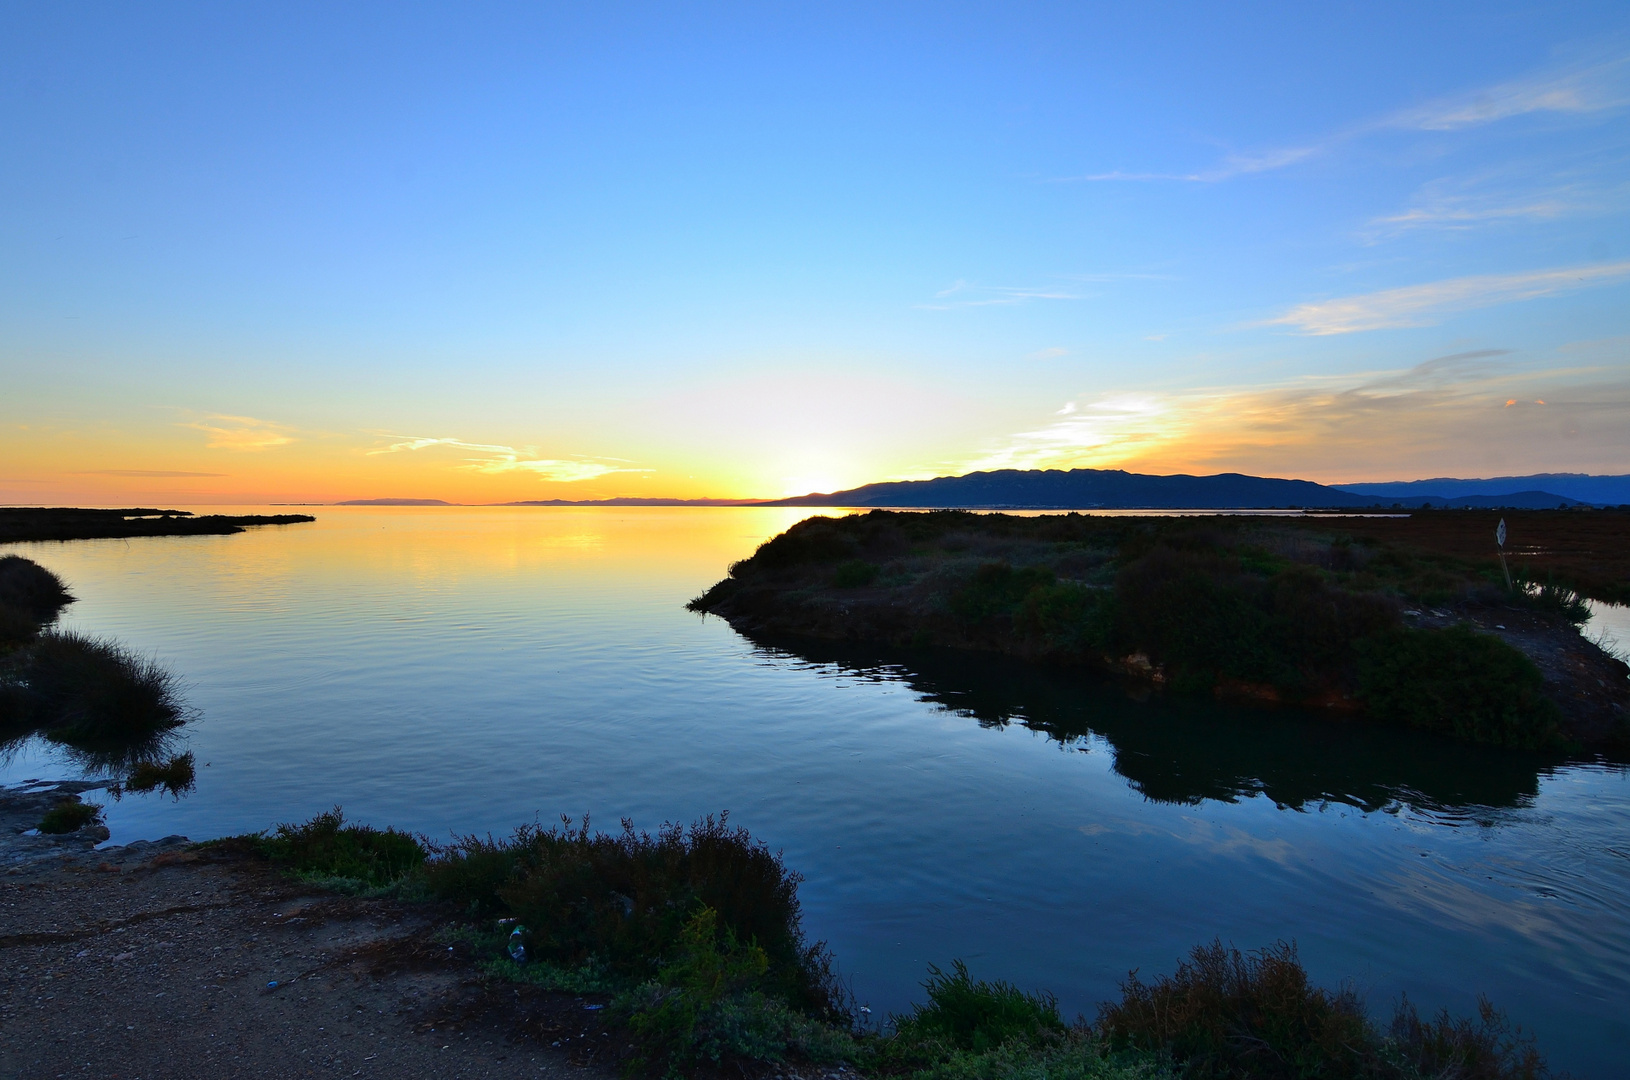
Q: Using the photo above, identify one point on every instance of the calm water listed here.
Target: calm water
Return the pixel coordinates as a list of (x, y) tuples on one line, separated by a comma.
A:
[(469, 669)]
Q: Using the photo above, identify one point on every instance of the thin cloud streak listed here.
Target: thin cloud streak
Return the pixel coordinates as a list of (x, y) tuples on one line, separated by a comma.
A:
[(244, 433), (496, 458), (1420, 305), (1590, 88)]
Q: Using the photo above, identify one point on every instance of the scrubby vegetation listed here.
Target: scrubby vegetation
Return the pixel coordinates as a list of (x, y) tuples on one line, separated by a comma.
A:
[(1253, 608), (1225, 1013), (112, 707), (69, 815), (692, 939)]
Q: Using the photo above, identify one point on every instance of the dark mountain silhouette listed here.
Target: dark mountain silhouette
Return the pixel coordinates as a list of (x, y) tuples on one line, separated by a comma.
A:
[(1601, 490), (1106, 489)]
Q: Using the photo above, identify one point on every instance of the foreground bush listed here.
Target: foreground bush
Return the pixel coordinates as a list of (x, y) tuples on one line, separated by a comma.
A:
[(1227, 1014), (624, 899)]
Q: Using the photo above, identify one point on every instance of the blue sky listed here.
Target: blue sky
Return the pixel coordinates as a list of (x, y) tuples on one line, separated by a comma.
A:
[(484, 252)]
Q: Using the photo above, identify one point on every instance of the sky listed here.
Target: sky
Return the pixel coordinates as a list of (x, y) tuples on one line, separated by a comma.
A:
[(490, 252)]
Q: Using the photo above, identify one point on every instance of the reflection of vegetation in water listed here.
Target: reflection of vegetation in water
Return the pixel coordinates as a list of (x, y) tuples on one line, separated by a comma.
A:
[(1180, 749), (110, 707)]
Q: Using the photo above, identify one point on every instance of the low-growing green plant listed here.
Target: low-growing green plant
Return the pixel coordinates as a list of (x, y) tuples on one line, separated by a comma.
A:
[(997, 589), (1459, 682), (69, 815), (709, 1003), (347, 858), (970, 1015)]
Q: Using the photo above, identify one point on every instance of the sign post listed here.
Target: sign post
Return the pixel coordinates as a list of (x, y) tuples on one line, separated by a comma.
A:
[(1499, 538)]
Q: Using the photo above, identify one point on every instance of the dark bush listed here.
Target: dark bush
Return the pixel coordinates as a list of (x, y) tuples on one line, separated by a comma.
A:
[(1460, 682), (623, 899), (813, 540), (88, 691), (1230, 1014), (1067, 618), (1488, 1048), (327, 848), (1557, 600), (854, 574), (997, 589), (978, 1016), (31, 588), (69, 815)]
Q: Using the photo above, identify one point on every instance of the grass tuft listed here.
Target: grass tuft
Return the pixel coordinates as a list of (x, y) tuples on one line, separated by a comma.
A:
[(347, 858), (69, 815), (979, 1015), (88, 691)]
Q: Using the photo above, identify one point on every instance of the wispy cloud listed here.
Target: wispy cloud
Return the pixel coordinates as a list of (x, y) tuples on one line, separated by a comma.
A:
[(1475, 412), (1052, 353), (1465, 203), (242, 432), (144, 473), (1420, 305), (962, 294), (1584, 88), (496, 458)]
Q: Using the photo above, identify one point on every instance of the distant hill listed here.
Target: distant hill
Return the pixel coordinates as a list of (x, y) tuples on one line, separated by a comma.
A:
[(1116, 489), (394, 502), (1601, 490)]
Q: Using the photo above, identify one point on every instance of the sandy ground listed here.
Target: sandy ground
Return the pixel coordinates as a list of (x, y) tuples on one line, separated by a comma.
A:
[(157, 960)]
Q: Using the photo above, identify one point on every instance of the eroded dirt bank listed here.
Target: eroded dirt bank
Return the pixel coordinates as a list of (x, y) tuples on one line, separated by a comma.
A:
[(156, 960)]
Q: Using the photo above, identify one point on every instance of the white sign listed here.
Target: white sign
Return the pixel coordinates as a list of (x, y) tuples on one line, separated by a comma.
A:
[(1499, 533)]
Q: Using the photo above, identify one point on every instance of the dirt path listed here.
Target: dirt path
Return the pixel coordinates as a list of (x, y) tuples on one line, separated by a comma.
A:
[(158, 961)]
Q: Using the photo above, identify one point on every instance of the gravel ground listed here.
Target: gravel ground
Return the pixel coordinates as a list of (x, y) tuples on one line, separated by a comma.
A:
[(157, 960)]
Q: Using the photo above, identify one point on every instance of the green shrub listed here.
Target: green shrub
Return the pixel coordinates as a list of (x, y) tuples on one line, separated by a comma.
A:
[(88, 691), (1230, 1014), (341, 856), (854, 574), (625, 899), (708, 1004), (68, 816), (1067, 618), (1459, 682), (978, 1016), (997, 589), (1074, 1055)]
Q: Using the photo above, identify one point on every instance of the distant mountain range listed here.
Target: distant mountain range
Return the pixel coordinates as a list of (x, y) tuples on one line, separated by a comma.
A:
[(1116, 489), (1107, 489), (1599, 490)]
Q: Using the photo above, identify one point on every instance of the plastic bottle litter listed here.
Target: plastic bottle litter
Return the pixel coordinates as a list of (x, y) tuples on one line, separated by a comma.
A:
[(517, 946)]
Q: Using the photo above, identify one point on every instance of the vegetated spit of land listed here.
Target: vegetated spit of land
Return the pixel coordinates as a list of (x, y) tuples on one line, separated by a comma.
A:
[(30, 523), (1404, 619)]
